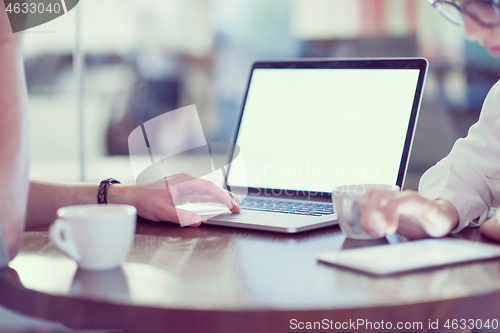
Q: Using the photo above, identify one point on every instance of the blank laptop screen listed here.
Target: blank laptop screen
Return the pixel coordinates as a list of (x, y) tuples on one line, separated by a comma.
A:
[(312, 129)]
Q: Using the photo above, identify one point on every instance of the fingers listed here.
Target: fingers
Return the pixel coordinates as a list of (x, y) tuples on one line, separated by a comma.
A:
[(433, 222), (203, 198), (236, 197), (410, 227), (183, 217), (397, 205), (188, 219), (491, 228), (407, 212), (436, 217), (207, 188), (154, 207), (376, 219), (382, 211), (158, 204)]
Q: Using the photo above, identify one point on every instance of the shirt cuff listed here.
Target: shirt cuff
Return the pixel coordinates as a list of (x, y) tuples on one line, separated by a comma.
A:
[(467, 217)]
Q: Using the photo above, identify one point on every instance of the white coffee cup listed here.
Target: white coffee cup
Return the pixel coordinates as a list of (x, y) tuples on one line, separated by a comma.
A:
[(97, 237), (347, 201)]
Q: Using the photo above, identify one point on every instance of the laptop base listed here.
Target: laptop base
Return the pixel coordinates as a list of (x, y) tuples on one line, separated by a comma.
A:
[(277, 222)]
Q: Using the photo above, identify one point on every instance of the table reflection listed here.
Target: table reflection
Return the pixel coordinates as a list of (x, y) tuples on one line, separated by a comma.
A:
[(110, 284), (216, 268)]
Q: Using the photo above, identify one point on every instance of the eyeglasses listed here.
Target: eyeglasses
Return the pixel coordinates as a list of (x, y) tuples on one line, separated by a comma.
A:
[(483, 12)]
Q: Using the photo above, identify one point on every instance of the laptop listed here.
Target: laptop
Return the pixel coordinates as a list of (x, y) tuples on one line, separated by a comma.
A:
[(309, 125)]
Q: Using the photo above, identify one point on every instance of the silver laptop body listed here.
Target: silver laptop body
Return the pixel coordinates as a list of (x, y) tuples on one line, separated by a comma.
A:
[(307, 126)]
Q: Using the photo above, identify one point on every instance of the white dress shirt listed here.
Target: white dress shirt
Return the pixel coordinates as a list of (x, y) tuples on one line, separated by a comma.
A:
[(469, 177)]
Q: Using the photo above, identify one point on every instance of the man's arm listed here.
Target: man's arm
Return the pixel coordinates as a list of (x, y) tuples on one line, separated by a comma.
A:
[(46, 198), (153, 204), (469, 177), (456, 192)]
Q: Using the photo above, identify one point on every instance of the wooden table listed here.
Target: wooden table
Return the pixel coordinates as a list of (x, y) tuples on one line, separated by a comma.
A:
[(216, 279)]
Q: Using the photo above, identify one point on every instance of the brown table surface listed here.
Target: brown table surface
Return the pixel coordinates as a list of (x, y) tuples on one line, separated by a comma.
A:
[(217, 279)]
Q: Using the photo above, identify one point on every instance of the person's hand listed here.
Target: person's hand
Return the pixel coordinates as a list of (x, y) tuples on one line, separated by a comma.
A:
[(408, 213), (491, 228), (158, 201)]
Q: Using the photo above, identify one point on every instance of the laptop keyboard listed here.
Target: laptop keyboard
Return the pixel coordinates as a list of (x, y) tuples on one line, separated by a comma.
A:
[(288, 207)]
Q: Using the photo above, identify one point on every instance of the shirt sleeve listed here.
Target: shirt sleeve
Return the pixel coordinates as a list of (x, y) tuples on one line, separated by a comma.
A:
[(4, 254), (469, 177)]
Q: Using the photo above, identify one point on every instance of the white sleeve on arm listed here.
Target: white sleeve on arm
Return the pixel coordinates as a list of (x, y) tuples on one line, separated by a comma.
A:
[(469, 177)]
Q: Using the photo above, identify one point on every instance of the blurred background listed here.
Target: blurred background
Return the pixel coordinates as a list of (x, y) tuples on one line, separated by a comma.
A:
[(143, 58)]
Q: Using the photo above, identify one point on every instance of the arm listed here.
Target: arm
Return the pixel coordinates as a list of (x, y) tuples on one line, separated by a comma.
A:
[(46, 198), (459, 190), (153, 204), (469, 177), (14, 183)]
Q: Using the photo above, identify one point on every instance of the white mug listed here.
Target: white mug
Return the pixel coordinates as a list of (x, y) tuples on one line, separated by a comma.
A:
[(97, 237), (347, 201)]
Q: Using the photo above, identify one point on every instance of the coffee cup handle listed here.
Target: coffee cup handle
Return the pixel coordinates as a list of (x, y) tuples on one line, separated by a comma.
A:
[(60, 234)]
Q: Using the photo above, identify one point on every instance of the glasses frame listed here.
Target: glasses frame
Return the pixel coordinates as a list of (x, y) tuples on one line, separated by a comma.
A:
[(462, 9)]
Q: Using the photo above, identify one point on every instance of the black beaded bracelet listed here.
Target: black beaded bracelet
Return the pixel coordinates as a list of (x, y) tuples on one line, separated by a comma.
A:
[(102, 194)]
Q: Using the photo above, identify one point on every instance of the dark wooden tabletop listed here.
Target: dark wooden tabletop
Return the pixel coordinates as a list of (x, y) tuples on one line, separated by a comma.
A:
[(216, 279)]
